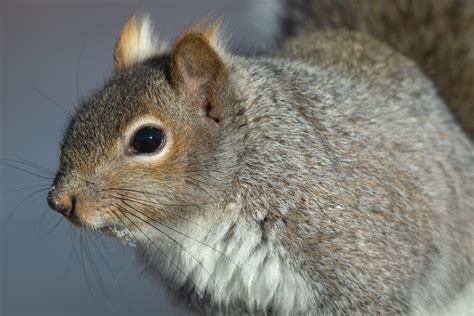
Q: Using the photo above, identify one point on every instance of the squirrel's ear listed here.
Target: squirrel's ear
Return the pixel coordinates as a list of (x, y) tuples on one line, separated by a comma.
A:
[(136, 43), (198, 68)]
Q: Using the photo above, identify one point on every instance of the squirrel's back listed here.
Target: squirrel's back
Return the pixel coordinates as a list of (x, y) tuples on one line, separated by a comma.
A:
[(376, 113), (438, 35)]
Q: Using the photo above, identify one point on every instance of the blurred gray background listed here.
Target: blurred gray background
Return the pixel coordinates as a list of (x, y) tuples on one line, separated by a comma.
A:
[(52, 54)]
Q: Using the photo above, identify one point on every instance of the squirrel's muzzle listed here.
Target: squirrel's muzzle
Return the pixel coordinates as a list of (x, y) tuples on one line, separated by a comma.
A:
[(61, 201)]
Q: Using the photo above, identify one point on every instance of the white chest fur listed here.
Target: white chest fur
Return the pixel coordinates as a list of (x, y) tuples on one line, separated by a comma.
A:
[(230, 263)]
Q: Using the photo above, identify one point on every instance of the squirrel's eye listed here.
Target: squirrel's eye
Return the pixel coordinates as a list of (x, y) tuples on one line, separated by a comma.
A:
[(147, 140)]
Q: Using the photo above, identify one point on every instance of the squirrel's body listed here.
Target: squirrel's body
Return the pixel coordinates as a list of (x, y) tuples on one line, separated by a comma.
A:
[(347, 207), (328, 179)]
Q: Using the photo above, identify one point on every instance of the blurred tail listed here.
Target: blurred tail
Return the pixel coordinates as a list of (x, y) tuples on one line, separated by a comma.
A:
[(437, 34)]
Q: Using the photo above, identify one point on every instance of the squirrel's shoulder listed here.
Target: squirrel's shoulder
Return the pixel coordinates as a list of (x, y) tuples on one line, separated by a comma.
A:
[(351, 52)]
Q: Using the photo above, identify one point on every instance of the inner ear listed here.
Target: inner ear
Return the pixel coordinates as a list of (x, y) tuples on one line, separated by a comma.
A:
[(198, 70), (215, 113)]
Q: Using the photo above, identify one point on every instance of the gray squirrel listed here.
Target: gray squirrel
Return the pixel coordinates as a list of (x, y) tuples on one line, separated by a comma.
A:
[(328, 178)]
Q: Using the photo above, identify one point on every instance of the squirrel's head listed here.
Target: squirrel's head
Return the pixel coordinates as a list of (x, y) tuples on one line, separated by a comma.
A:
[(142, 149)]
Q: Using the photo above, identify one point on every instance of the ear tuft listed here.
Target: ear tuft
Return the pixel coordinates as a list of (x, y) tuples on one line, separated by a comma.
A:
[(136, 43), (208, 30)]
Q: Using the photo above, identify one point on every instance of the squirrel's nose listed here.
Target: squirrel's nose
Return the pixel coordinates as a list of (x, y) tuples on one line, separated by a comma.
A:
[(61, 202)]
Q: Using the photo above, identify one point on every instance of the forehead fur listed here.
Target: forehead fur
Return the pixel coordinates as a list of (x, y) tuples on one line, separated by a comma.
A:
[(100, 120)]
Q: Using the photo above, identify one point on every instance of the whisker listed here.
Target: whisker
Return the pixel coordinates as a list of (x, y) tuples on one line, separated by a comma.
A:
[(79, 178), (43, 169), (25, 164), (95, 270), (38, 171), (26, 171), (29, 196), (179, 245), (72, 235), (207, 170), (81, 247), (163, 204), (183, 234), (200, 164), (154, 245), (200, 186), (34, 164), (93, 242), (45, 212), (45, 186), (52, 228), (121, 274), (107, 264), (77, 71), (52, 101), (132, 199), (204, 184)]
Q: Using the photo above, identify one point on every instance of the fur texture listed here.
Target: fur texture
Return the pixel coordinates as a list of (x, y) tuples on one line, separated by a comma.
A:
[(136, 43), (329, 179), (438, 35)]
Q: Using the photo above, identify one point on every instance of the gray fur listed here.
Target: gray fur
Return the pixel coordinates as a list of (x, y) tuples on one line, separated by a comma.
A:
[(338, 156)]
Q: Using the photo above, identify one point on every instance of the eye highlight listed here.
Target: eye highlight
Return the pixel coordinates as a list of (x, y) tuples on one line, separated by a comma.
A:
[(147, 140)]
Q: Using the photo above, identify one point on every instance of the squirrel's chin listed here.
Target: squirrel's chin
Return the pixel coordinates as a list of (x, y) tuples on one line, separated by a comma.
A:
[(122, 233)]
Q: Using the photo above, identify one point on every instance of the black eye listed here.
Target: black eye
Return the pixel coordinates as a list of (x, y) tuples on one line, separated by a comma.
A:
[(147, 140)]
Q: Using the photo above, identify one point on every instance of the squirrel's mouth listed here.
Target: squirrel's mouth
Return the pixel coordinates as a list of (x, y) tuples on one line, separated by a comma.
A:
[(74, 221), (122, 233)]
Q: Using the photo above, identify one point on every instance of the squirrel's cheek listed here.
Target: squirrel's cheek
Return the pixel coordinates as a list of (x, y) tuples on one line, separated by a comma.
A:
[(91, 215)]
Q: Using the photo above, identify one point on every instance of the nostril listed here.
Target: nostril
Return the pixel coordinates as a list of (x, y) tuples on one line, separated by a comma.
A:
[(66, 210), (61, 203)]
